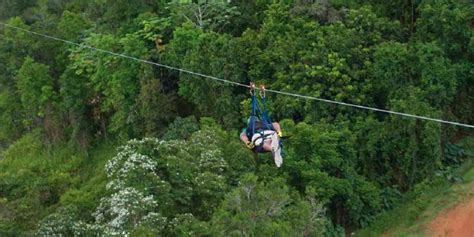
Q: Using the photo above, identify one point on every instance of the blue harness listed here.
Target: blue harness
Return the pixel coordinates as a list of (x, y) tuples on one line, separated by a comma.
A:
[(259, 121)]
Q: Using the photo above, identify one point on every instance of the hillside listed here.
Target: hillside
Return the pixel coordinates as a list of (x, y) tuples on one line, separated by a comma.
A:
[(450, 214), (443, 209)]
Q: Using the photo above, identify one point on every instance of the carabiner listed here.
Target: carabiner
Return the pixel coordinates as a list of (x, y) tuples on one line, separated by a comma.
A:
[(262, 91), (252, 88)]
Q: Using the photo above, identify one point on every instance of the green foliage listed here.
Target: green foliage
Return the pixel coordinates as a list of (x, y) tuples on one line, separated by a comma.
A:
[(10, 117), (181, 128), (17, 44), (420, 206), (155, 183), (321, 11), (321, 161), (64, 108), (438, 76), (251, 15), (14, 8), (446, 23), (61, 222), (117, 14), (406, 151), (14, 46), (32, 180), (188, 225), (213, 15), (392, 67), (192, 48), (35, 88), (119, 100), (151, 98), (256, 208), (73, 25), (329, 61)]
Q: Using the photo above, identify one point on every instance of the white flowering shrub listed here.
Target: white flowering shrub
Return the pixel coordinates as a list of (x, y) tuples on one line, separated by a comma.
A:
[(126, 210), (211, 156), (64, 222), (136, 165), (132, 157), (153, 184), (60, 223), (153, 180)]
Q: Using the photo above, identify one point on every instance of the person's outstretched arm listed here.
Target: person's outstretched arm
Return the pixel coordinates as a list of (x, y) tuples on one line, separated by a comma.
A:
[(277, 128), (244, 138)]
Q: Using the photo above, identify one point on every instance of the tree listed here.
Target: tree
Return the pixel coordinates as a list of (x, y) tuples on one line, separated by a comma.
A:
[(118, 14), (322, 11), (181, 128), (155, 184), (14, 47), (446, 27), (72, 25), (156, 108), (448, 24), (126, 210), (250, 17), (12, 8), (404, 151), (193, 48), (36, 90), (321, 161), (207, 15), (113, 80), (62, 222), (257, 208), (438, 78), (342, 166), (10, 118)]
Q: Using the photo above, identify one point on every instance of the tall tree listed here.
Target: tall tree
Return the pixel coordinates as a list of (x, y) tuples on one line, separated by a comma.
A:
[(38, 97)]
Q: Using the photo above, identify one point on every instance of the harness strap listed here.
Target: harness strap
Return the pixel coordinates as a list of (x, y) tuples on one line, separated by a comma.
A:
[(259, 148), (267, 122), (253, 116)]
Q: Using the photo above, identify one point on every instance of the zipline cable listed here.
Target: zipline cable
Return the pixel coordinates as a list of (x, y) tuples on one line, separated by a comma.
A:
[(372, 108), (236, 83), (123, 55)]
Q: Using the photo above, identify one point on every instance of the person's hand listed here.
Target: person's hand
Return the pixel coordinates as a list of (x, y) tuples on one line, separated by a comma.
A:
[(250, 145)]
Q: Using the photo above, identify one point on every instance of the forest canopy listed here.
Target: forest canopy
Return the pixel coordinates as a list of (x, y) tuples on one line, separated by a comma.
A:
[(95, 144)]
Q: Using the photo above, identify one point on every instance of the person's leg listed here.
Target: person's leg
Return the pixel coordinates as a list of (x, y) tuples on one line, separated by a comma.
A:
[(271, 145), (271, 141), (276, 150), (267, 145)]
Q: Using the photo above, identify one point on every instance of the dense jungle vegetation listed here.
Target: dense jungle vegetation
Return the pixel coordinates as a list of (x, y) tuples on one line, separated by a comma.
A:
[(97, 145)]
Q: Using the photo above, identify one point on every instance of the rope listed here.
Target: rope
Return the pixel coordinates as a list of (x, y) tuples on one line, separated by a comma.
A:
[(236, 83), (124, 55), (373, 109)]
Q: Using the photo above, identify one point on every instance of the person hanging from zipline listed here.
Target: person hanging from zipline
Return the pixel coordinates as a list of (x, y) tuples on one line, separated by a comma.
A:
[(261, 134), (257, 137)]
